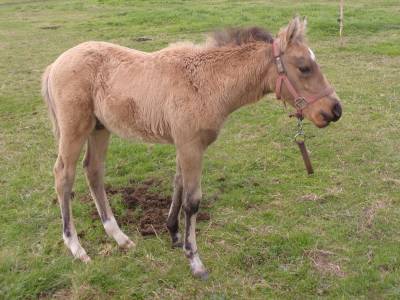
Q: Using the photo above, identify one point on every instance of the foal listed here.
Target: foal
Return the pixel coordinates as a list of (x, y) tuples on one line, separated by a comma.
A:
[(179, 95)]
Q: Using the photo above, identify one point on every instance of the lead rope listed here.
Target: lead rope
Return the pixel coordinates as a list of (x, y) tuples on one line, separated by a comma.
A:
[(299, 139)]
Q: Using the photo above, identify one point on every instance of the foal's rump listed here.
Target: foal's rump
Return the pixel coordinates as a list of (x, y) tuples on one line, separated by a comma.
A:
[(67, 89)]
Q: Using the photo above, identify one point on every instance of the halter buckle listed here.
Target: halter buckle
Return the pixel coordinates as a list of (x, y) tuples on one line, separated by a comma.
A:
[(300, 103)]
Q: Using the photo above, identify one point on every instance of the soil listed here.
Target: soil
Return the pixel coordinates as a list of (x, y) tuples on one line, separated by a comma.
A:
[(153, 207)]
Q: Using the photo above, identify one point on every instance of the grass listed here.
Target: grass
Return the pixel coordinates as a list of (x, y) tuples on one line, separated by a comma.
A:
[(274, 231)]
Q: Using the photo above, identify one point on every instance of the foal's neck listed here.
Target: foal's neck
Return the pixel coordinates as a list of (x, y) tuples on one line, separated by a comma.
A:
[(243, 75)]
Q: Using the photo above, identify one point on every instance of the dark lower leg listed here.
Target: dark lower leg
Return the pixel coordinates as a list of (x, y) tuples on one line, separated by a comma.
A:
[(191, 207), (173, 216), (190, 160)]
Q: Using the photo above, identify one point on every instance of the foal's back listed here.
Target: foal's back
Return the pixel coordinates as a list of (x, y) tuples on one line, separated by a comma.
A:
[(132, 93)]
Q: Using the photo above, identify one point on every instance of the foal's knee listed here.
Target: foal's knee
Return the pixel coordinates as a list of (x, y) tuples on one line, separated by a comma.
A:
[(172, 225), (192, 206), (58, 167), (178, 181), (191, 202)]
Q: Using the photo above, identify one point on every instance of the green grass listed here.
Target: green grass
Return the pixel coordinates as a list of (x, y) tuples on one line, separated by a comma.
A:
[(263, 231)]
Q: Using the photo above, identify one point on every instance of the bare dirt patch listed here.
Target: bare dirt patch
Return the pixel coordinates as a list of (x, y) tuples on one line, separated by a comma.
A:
[(146, 208), (322, 262)]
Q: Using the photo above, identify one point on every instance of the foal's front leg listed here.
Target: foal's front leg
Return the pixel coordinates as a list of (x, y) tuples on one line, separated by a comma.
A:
[(173, 215), (190, 159)]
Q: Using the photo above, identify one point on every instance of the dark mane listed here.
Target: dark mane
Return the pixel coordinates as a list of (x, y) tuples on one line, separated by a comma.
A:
[(239, 36)]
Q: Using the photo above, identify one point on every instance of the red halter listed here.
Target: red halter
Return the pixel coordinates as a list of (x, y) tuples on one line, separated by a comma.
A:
[(300, 102)]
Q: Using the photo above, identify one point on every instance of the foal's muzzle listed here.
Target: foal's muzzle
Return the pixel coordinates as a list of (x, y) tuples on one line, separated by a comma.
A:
[(336, 111)]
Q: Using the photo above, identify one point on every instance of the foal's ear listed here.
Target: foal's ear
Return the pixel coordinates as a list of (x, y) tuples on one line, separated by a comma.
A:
[(294, 32)]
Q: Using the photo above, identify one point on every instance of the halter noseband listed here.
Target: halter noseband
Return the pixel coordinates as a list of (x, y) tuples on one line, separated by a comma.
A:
[(300, 102)]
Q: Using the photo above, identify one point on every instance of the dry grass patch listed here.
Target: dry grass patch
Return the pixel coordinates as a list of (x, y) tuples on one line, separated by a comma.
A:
[(322, 262), (369, 213), (330, 192), (62, 294), (310, 197), (392, 180), (106, 249)]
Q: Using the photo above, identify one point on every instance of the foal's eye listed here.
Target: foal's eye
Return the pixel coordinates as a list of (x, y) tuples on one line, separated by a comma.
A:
[(305, 70)]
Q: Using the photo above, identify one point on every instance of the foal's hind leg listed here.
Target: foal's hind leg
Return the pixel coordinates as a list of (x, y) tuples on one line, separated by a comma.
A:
[(173, 215), (94, 169), (64, 173), (190, 159)]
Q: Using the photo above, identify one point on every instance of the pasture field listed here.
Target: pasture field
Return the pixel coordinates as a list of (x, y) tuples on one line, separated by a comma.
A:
[(274, 232)]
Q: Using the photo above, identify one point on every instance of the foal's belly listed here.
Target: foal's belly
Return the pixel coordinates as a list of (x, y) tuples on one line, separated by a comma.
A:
[(129, 120)]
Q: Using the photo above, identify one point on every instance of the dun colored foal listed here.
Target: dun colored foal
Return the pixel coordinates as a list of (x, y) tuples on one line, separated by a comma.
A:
[(179, 95)]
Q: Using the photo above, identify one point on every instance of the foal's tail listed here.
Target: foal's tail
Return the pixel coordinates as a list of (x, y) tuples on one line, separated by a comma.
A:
[(46, 94)]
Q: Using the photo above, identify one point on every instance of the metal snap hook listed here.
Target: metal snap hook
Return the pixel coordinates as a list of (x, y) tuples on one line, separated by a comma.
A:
[(300, 134)]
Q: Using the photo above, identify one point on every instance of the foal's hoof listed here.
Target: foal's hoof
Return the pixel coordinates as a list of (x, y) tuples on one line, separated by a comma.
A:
[(80, 254), (177, 244), (127, 245), (203, 275), (85, 258)]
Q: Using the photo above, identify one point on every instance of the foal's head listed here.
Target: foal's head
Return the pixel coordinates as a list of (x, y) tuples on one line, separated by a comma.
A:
[(317, 100)]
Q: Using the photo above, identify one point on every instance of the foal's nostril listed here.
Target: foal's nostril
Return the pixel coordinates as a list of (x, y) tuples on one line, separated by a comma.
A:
[(336, 111)]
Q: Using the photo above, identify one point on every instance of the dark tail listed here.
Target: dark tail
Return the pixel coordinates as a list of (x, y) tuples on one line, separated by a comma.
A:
[(46, 94)]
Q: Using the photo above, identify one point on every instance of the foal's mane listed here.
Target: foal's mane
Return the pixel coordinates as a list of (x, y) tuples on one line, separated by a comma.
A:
[(240, 36), (234, 36)]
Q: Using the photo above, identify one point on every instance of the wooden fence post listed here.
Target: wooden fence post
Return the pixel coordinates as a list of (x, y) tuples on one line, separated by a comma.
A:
[(341, 21)]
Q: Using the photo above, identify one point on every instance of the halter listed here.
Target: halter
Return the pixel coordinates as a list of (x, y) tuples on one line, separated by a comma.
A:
[(300, 102)]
